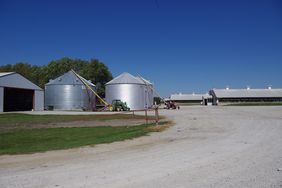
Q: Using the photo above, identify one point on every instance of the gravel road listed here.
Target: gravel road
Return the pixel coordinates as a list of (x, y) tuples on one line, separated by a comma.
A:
[(207, 147)]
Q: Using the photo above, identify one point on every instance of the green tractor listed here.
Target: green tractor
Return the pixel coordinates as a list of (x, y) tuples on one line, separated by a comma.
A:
[(118, 105)]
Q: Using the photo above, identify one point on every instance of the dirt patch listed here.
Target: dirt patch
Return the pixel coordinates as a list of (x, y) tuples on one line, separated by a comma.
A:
[(159, 128), (116, 122)]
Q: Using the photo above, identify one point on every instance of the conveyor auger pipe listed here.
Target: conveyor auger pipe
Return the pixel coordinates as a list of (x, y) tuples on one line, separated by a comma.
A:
[(108, 105)]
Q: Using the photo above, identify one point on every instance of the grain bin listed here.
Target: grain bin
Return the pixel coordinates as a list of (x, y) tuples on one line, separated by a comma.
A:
[(129, 89), (68, 92), (149, 91)]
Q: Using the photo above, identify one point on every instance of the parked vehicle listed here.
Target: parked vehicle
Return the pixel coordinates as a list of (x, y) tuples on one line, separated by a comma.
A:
[(171, 105), (118, 105)]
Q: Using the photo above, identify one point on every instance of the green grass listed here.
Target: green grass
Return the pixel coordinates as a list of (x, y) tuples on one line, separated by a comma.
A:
[(256, 104), (39, 140), (18, 137), (24, 119)]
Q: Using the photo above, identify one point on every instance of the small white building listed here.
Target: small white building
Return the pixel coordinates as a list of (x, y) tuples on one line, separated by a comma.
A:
[(19, 94), (190, 98)]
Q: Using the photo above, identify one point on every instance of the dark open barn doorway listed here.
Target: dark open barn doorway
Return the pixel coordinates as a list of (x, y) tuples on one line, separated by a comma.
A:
[(18, 99)]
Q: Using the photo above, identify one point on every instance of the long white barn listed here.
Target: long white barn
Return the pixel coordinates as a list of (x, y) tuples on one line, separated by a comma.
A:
[(246, 95)]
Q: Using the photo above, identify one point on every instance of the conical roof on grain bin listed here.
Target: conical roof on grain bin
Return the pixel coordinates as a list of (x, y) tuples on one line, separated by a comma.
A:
[(125, 78), (69, 78)]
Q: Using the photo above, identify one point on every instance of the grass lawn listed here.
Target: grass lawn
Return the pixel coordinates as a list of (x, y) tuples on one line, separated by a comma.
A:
[(23, 119), (256, 104), (38, 140), (28, 139)]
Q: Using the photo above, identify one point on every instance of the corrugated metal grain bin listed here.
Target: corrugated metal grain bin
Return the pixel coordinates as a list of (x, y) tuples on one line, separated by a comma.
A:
[(68, 92), (129, 89), (149, 91)]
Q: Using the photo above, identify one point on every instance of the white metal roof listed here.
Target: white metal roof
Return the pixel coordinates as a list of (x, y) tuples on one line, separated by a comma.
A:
[(69, 78), (126, 78), (5, 73), (15, 80), (247, 93), (188, 97)]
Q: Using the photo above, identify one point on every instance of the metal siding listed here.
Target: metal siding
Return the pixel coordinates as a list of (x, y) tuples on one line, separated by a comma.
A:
[(38, 100), (248, 93), (17, 81), (135, 91), (125, 78), (189, 97), (5, 73), (150, 97), (68, 97), (132, 94), (148, 89), (1, 99)]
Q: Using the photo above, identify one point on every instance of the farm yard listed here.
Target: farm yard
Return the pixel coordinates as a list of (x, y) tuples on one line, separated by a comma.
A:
[(222, 146), (141, 94)]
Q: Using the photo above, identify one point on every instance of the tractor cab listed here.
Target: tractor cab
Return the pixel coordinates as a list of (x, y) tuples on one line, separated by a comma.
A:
[(118, 105)]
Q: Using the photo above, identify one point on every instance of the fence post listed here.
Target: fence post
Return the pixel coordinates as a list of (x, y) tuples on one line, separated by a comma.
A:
[(146, 116), (157, 115)]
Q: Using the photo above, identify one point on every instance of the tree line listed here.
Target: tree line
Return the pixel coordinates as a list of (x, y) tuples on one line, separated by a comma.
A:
[(93, 70)]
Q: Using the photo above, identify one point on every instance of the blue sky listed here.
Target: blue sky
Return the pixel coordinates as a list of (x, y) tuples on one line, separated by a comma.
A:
[(180, 45)]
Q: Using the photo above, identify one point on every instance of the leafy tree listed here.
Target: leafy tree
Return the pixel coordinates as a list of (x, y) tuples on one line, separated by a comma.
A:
[(6, 68), (157, 100), (98, 73)]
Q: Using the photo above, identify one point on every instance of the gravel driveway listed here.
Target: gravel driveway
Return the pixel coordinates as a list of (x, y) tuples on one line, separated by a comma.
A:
[(208, 147)]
